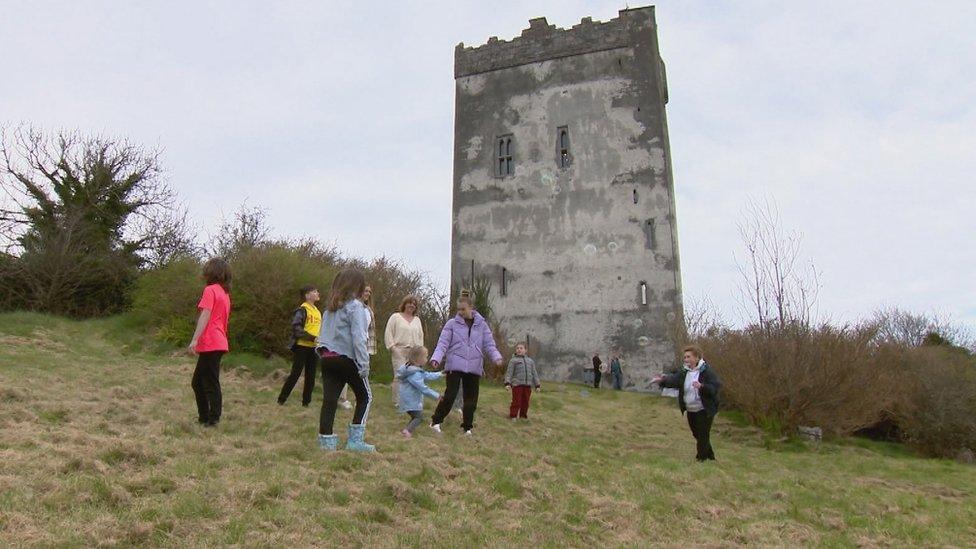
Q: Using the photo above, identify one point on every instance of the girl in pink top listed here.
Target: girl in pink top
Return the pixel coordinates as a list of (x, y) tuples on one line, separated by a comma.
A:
[(210, 340)]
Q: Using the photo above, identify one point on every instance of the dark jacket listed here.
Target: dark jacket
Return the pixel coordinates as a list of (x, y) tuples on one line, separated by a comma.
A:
[(597, 363), (711, 385), (298, 331)]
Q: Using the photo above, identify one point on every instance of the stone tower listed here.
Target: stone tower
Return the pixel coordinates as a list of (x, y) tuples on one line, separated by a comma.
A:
[(563, 195)]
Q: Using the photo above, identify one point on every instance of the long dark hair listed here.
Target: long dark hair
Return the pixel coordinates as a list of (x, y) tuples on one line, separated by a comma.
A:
[(217, 271), (347, 285)]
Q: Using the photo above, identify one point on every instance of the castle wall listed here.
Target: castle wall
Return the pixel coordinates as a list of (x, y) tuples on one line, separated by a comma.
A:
[(574, 245)]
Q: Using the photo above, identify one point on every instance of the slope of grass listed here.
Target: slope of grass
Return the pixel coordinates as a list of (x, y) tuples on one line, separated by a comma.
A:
[(100, 446)]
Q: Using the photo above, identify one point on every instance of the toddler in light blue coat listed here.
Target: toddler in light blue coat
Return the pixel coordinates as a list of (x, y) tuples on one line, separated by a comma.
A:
[(413, 388)]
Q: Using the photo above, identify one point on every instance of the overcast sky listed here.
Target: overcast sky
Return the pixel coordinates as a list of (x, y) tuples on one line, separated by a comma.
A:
[(857, 118)]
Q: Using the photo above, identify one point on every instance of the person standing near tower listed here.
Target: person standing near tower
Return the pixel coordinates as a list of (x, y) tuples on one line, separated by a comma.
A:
[(698, 388), (345, 359), (616, 373), (597, 364), (403, 331), (462, 346)]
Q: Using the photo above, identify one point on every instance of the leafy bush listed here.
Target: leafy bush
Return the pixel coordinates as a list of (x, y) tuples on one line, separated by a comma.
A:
[(166, 299), (266, 280)]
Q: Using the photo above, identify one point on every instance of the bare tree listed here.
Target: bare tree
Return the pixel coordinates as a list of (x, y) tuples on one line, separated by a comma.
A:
[(169, 234), (247, 229), (776, 286), (911, 329), (702, 319)]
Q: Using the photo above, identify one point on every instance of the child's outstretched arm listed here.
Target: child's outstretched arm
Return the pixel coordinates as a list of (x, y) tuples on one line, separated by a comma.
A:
[(433, 376), (423, 388)]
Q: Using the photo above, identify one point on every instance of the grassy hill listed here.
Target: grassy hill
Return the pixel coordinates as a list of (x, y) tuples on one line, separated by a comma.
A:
[(99, 446)]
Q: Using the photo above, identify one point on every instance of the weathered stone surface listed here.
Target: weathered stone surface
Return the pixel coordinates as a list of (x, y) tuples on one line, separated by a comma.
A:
[(576, 243)]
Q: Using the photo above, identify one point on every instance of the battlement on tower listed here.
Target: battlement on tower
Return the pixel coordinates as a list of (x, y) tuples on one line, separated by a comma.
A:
[(542, 41)]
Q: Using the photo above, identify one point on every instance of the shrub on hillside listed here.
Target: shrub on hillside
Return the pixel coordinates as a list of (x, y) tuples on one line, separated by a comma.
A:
[(795, 375), (266, 280), (165, 299), (936, 416), (847, 380), (265, 292), (88, 212)]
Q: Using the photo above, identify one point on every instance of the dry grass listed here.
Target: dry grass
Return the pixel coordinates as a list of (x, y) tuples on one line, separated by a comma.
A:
[(100, 447)]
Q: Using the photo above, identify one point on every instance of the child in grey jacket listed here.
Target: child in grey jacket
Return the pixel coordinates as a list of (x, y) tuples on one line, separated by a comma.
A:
[(413, 388), (520, 377)]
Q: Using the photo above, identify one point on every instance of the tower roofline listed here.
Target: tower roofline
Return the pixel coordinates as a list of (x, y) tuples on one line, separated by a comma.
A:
[(542, 41)]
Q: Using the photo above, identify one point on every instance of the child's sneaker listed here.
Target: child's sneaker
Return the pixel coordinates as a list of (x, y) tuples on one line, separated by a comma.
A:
[(468, 433), (406, 434), (436, 427)]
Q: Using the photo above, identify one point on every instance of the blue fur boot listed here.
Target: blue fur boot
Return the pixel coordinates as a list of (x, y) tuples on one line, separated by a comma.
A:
[(329, 442), (355, 442)]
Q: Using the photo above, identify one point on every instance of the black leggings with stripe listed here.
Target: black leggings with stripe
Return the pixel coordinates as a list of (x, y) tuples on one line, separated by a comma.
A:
[(337, 371)]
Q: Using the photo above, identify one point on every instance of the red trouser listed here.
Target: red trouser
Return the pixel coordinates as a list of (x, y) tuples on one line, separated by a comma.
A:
[(520, 401)]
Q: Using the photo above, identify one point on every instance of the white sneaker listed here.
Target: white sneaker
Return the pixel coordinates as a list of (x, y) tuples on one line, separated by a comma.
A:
[(345, 404), (436, 427), (468, 433)]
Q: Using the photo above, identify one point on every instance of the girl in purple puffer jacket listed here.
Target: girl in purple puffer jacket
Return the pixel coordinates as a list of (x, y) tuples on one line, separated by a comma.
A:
[(464, 342)]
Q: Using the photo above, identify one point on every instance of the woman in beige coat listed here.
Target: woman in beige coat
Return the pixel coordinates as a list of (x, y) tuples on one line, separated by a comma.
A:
[(403, 331)]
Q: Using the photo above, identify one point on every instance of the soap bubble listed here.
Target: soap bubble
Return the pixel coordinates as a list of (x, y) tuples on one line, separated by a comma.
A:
[(638, 324), (589, 249), (612, 246), (643, 341), (547, 179)]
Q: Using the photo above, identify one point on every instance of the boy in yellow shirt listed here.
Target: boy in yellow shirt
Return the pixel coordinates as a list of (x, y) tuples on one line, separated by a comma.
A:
[(305, 326)]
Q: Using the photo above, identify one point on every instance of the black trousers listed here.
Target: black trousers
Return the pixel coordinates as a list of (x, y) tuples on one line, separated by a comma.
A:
[(304, 360), (597, 374), (337, 371), (206, 386), (701, 427), (469, 385)]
